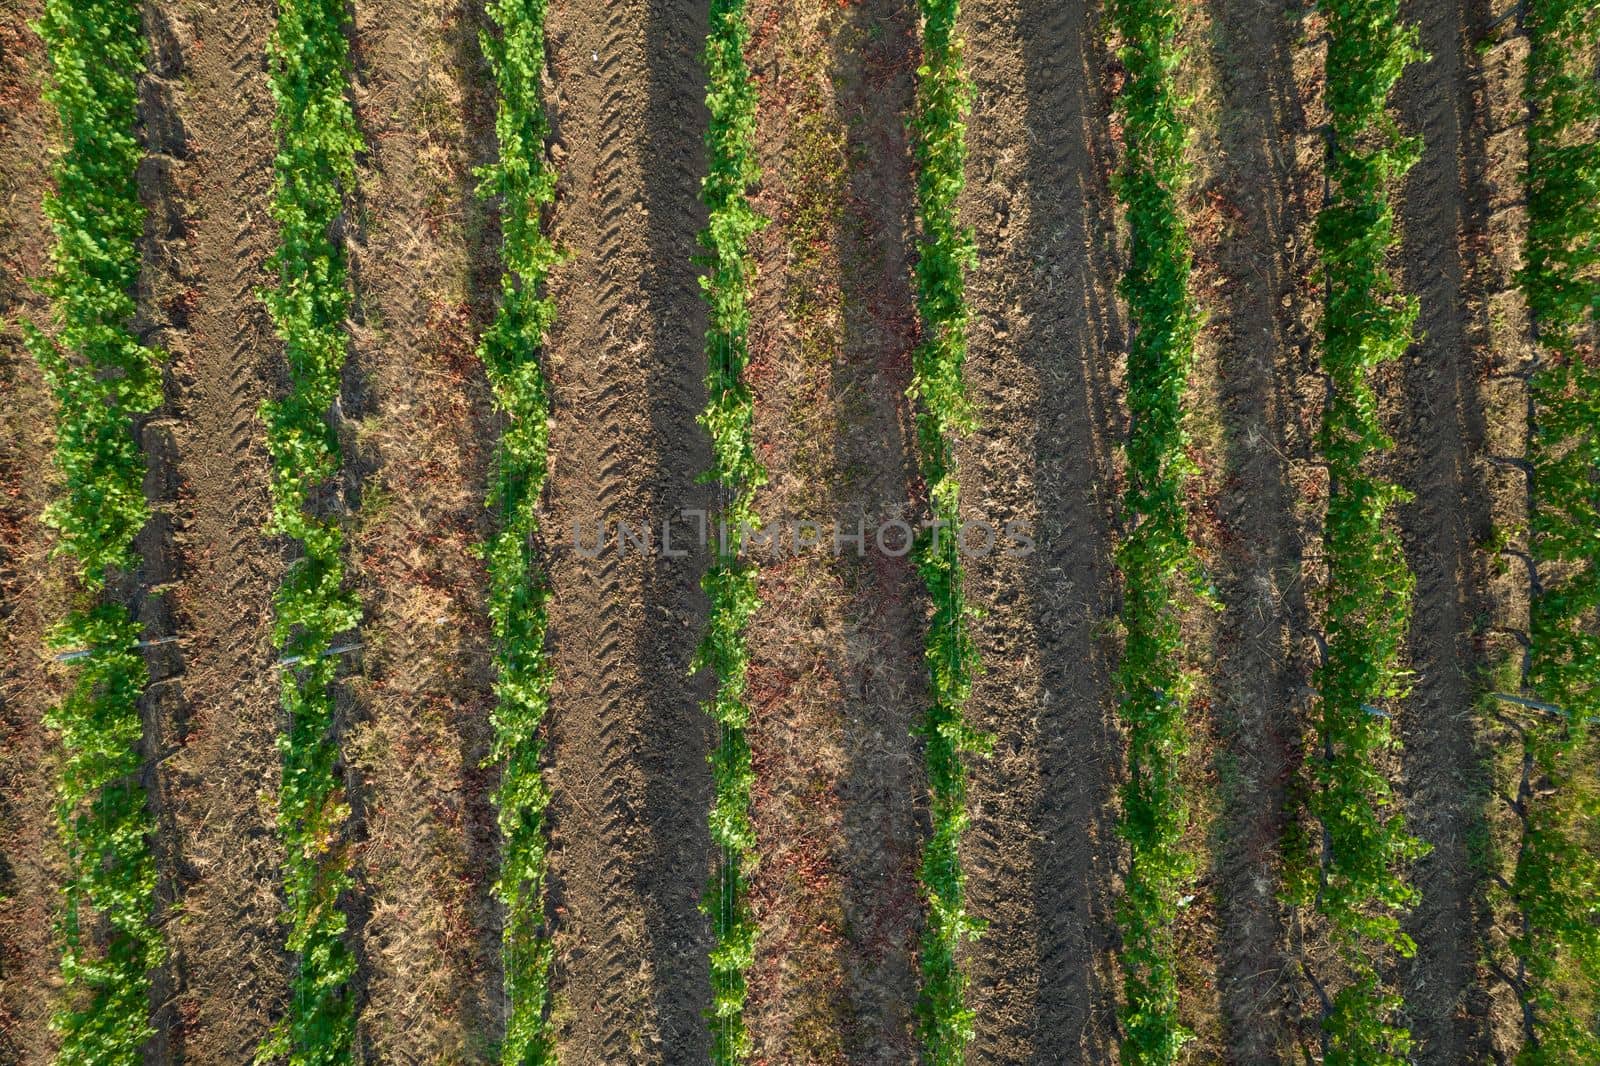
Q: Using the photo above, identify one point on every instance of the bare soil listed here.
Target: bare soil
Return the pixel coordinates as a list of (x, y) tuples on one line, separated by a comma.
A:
[(214, 715), (418, 434), (1252, 255), (1504, 358), (1441, 431), (1043, 854), (837, 671), (628, 741), (32, 586)]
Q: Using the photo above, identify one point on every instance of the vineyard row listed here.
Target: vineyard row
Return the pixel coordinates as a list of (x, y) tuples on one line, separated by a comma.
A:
[(103, 382), (1556, 876), (524, 185), (314, 168), (736, 475), (945, 252), (1352, 867), (1156, 557)]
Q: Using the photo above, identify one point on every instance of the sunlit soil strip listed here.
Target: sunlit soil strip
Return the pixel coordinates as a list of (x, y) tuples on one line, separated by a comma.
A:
[(1556, 882)]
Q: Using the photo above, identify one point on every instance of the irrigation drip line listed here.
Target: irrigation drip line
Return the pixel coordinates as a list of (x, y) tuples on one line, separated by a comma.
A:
[(336, 650), (84, 653), (1540, 705)]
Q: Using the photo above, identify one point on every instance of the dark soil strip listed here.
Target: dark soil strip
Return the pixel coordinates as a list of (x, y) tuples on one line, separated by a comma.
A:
[(672, 874), (1261, 353), (630, 783), (1440, 433), (873, 59), (166, 303), (1042, 850)]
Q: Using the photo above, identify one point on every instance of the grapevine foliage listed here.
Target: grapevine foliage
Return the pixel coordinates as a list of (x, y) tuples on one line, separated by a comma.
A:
[(946, 252), (315, 163), (1156, 557), (102, 379), (524, 184), (1556, 884), (736, 474), (1359, 886)]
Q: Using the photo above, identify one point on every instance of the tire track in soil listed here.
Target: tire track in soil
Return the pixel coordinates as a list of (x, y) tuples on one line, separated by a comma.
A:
[(165, 302), (628, 742), (216, 722), (1441, 432), (417, 431), (32, 588), (1262, 351), (1042, 852), (672, 881)]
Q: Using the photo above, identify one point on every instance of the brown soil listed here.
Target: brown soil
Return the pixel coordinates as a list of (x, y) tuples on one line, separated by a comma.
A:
[(837, 666), (417, 438), (1042, 852), (1504, 359), (628, 741), (1257, 354), (1441, 434), (32, 588), (215, 716)]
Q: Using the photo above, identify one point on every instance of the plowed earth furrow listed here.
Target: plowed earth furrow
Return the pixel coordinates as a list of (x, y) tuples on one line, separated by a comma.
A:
[(31, 587), (214, 794), (1263, 356), (628, 742), (1440, 430), (1046, 333)]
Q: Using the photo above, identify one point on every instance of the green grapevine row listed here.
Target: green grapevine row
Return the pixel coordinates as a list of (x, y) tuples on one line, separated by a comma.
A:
[(315, 164), (1156, 557), (1359, 887), (938, 382), (102, 378), (518, 594), (1556, 885), (736, 474)]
